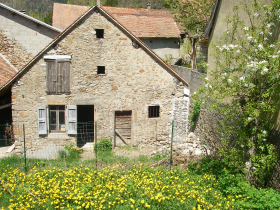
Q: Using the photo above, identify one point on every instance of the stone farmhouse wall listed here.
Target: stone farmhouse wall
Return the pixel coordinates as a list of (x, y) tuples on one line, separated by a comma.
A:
[(15, 53), (30, 35), (133, 81)]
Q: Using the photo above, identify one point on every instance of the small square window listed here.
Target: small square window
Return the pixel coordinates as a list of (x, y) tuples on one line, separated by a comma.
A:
[(99, 33), (100, 69), (153, 111)]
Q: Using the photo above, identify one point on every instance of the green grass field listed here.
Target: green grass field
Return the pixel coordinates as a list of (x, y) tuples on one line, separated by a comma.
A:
[(124, 183)]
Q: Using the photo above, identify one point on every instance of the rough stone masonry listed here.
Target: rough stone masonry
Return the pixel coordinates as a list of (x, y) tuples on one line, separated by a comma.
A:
[(133, 81)]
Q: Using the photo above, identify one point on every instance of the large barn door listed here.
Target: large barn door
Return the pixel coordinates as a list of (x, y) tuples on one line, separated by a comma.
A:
[(122, 127)]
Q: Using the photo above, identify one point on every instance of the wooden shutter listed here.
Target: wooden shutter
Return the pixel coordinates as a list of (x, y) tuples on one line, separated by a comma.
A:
[(51, 77), (63, 75), (42, 120), (72, 119)]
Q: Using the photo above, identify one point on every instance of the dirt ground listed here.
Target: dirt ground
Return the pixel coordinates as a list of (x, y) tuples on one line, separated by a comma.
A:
[(126, 151)]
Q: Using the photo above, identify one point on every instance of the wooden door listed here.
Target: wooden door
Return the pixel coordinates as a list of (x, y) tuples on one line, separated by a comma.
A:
[(122, 127)]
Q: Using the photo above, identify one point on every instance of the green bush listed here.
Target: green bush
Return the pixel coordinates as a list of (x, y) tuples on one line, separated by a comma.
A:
[(103, 145), (231, 182), (72, 153), (194, 113)]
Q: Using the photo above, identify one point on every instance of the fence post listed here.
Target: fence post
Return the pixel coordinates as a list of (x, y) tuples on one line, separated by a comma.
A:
[(171, 144), (24, 152), (95, 142)]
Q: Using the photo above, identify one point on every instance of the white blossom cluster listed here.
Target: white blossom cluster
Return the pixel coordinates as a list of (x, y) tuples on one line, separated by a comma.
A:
[(227, 47), (255, 65)]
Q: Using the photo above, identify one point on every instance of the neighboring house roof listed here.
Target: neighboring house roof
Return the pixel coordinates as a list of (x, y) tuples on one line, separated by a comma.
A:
[(68, 30), (28, 17), (143, 23), (7, 70), (208, 28)]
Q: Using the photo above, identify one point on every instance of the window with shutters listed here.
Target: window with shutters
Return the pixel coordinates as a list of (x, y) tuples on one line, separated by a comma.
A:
[(58, 74), (57, 118)]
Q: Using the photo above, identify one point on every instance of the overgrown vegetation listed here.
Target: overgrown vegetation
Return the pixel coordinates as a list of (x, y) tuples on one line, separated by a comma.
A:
[(205, 184), (192, 16), (244, 87), (103, 145), (70, 153), (194, 113)]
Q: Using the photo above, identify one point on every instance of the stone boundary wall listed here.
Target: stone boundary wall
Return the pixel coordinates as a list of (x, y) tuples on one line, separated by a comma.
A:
[(207, 122), (193, 77)]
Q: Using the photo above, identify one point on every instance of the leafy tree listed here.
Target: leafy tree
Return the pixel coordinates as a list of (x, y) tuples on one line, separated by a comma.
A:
[(113, 3), (244, 87), (192, 16), (48, 18)]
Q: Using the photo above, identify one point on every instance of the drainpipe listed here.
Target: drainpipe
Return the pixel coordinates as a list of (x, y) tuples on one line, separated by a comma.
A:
[(149, 6)]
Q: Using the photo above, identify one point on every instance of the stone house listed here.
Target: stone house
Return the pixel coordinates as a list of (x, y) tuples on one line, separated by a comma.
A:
[(21, 38), (156, 28), (98, 71)]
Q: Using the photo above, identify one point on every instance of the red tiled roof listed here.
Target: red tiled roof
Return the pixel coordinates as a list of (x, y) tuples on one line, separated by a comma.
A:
[(144, 23), (6, 71)]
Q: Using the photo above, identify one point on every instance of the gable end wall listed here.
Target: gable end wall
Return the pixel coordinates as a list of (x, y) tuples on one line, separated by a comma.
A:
[(133, 81)]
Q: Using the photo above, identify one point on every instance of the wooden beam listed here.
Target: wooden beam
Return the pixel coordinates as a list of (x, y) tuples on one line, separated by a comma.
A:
[(121, 137)]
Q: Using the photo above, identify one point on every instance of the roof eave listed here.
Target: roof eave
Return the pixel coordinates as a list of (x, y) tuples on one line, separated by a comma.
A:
[(30, 18), (61, 35)]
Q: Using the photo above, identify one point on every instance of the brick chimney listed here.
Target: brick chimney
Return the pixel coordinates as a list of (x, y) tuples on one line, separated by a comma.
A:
[(149, 6)]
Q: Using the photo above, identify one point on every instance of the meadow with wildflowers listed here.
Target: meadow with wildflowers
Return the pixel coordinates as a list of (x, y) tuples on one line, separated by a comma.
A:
[(207, 184)]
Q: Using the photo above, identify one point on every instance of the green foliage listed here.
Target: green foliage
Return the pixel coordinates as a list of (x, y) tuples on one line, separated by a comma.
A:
[(103, 145), (192, 15), (207, 184), (112, 3), (194, 113), (48, 18), (168, 58), (231, 182), (244, 88), (71, 154)]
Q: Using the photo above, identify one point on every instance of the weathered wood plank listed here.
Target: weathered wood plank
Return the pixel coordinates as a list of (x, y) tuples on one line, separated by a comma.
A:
[(121, 137)]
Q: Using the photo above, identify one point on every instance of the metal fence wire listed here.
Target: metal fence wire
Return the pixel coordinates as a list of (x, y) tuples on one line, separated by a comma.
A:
[(6, 135), (29, 145)]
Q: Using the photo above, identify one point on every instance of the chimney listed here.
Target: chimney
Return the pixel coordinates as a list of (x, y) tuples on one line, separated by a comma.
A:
[(23, 11), (149, 6), (98, 2)]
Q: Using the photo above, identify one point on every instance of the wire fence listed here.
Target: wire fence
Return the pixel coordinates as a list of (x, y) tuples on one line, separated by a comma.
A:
[(155, 145)]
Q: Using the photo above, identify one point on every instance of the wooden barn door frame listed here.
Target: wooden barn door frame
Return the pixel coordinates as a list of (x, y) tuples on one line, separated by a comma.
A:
[(116, 133)]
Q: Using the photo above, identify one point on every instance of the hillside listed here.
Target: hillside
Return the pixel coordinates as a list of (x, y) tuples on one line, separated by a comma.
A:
[(41, 9)]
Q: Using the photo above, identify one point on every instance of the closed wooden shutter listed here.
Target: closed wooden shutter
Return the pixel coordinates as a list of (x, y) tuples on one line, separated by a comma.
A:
[(42, 120), (51, 76), (58, 76), (72, 119)]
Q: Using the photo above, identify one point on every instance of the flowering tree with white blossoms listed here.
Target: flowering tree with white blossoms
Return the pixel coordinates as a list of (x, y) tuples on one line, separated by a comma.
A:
[(244, 87)]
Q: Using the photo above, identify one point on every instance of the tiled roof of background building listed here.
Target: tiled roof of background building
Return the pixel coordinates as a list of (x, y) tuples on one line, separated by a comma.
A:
[(143, 23), (6, 71)]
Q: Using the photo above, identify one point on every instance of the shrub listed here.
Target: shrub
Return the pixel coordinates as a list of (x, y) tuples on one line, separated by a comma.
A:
[(103, 145), (71, 153)]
